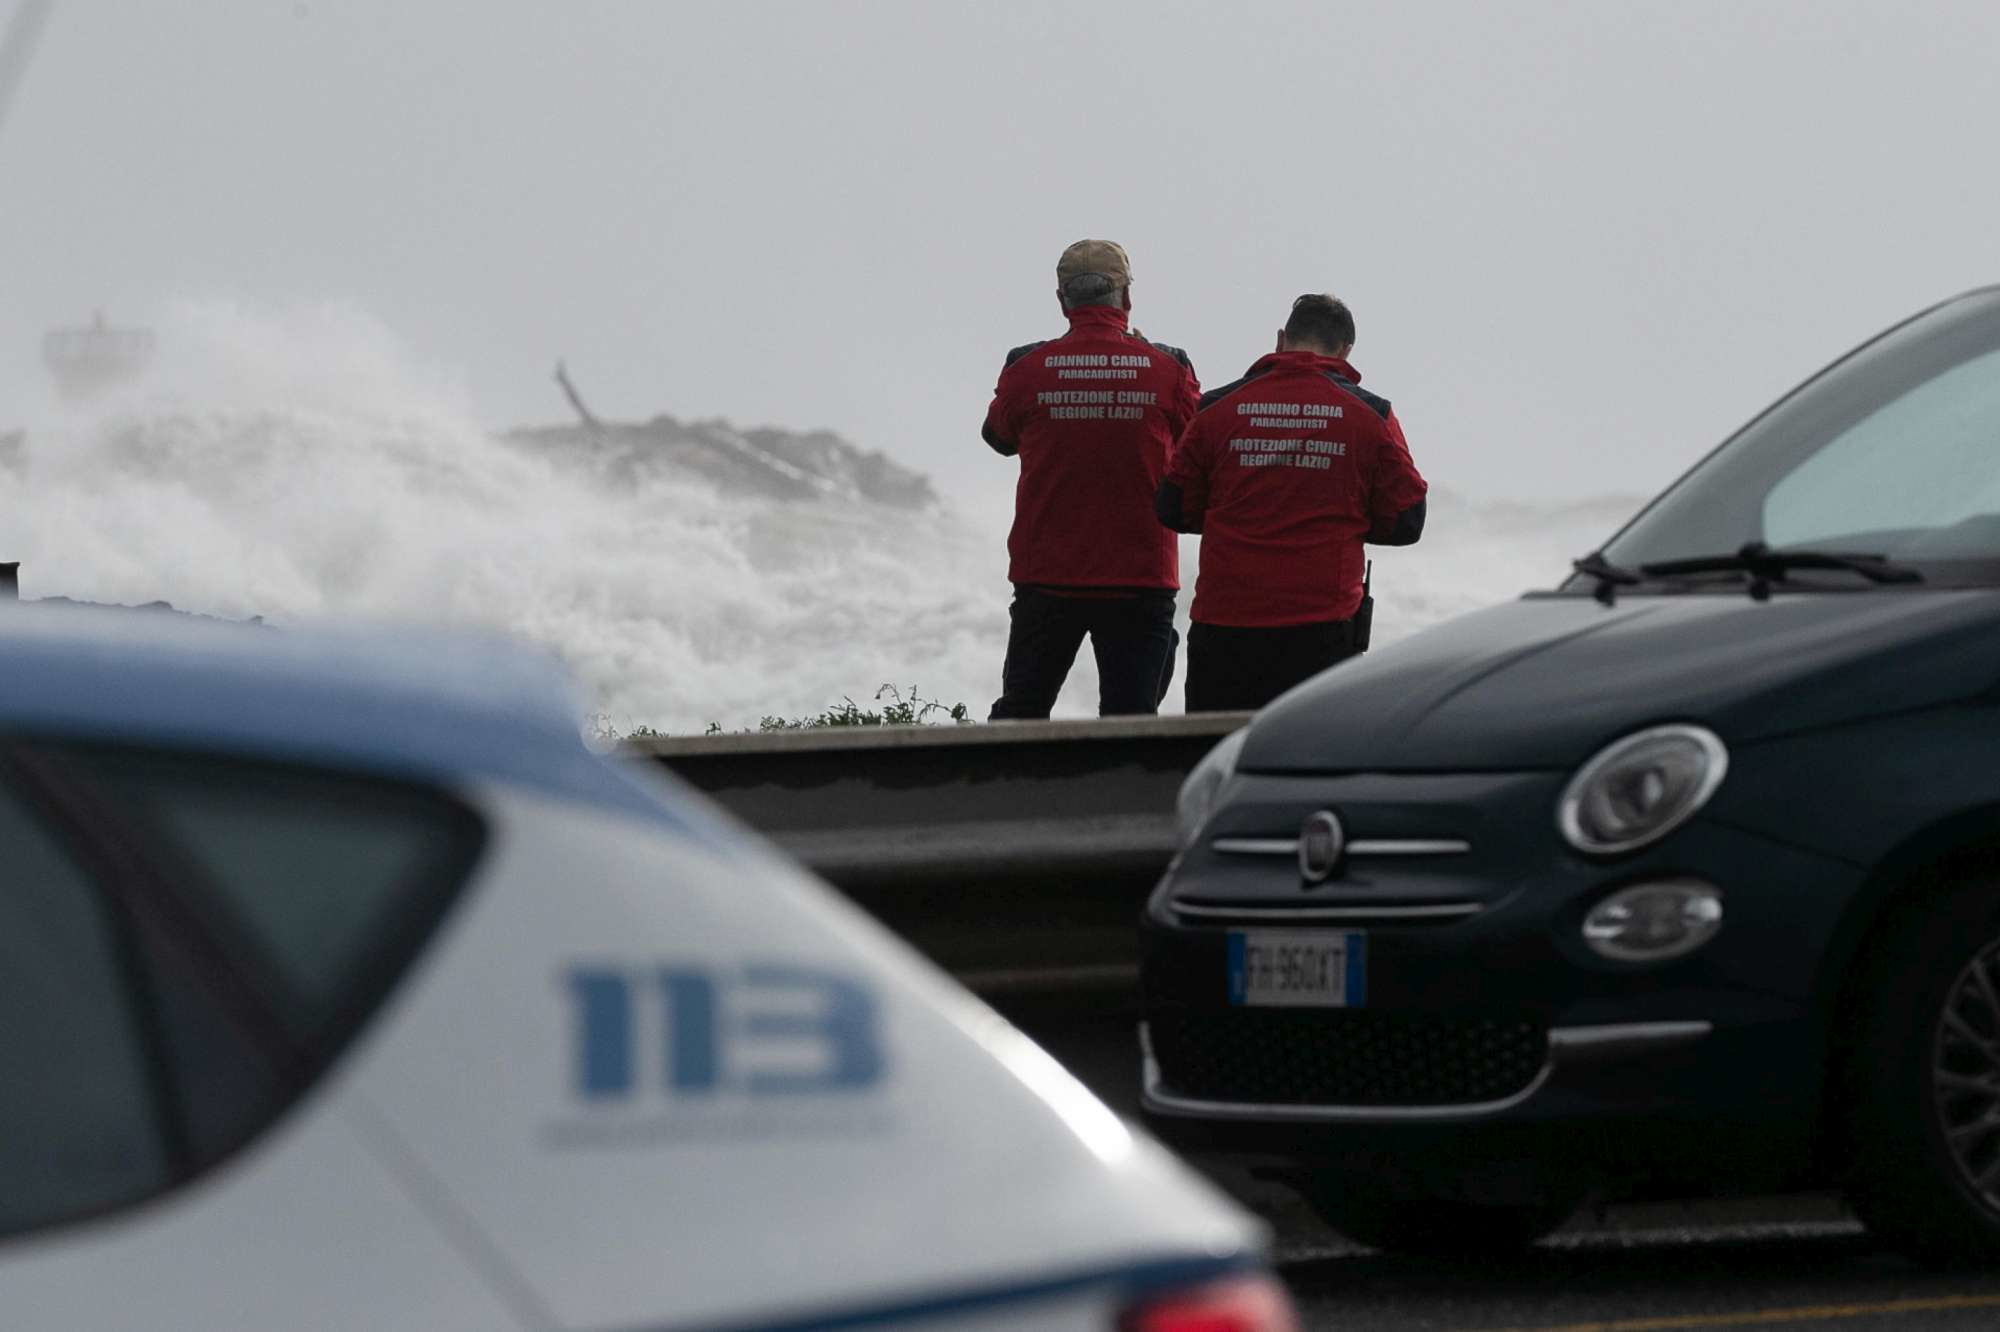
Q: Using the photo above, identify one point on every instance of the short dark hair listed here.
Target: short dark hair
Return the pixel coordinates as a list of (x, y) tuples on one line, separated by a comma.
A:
[(1323, 321), (1091, 289)]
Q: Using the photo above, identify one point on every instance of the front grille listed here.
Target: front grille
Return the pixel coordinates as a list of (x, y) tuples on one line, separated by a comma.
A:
[(1401, 914), (1346, 1057)]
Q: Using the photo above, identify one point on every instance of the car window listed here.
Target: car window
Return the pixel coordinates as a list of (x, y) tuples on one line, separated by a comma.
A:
[(1894, 450), (186, 943), (1922, 473), (329, 881), (79, 1123)]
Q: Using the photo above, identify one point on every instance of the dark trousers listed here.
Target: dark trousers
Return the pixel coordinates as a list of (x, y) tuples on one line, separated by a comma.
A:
[(1234, 669), (1131, 635)]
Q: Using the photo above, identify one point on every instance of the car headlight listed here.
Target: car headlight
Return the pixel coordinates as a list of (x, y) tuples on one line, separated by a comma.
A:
[(1639, 789), (1198, 792)]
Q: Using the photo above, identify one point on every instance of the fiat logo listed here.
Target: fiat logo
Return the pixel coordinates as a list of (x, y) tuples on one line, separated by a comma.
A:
[(1321, 840)]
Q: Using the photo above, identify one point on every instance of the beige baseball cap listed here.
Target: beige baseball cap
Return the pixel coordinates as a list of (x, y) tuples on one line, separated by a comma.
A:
[(1099, 258)]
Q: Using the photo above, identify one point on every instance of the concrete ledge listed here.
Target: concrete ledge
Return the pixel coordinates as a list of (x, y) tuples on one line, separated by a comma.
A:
[(988, 847)]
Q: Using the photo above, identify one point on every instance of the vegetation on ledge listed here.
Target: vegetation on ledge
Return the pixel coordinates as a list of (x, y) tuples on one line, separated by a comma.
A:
[(903, 708)]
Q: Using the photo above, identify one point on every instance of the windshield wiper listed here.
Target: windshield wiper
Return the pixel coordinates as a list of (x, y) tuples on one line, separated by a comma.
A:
[(1610, 577), (1766, 566)]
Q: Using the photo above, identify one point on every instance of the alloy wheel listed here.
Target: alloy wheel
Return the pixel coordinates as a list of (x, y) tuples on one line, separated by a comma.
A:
[(1965, 1074)]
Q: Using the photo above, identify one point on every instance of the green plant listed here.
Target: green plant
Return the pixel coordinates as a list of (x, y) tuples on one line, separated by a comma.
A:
[(912, 709), (903, 709)]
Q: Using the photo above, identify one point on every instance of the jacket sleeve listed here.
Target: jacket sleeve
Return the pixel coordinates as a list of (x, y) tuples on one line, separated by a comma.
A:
[(1001, 430), (1396, 491), (1181, 501), (1187, 399)]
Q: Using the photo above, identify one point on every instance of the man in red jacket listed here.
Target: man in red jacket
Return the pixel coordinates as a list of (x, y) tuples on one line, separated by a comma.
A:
[(1092, 415), (1285, 473)]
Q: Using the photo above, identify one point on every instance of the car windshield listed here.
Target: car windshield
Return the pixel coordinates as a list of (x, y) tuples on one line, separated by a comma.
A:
[(1891, 452)]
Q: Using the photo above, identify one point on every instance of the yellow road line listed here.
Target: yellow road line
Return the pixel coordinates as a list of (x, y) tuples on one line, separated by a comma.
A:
[(1774, 1317)]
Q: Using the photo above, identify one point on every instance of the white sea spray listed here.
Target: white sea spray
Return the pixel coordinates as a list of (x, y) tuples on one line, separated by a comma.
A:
[(302, 464)]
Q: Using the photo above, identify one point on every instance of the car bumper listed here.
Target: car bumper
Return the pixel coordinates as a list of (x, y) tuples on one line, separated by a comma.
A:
[(1576, 1055), (1475, 957)]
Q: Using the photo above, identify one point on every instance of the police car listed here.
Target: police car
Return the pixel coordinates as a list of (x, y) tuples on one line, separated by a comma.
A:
[(343, 985)]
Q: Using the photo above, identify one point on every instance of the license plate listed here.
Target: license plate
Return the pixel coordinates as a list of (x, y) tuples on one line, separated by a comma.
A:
[(1298, 968)]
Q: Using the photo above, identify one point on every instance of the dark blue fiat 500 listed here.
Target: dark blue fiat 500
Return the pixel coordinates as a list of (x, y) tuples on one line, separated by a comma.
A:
[(1682, 876)]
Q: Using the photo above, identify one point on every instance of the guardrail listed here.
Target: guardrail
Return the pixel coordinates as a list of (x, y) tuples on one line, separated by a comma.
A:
[(1015, 854)]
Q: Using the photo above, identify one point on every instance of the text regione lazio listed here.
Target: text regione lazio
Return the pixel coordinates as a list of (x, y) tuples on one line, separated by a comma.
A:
[(1310, 453), (1096, 405)]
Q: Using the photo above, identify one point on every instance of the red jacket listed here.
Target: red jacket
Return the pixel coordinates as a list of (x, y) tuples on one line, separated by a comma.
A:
[(1092, 415), (1285, 473)]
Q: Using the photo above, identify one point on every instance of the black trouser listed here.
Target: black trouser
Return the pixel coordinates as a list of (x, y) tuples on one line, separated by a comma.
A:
[(1234, 669), (1132, 636)]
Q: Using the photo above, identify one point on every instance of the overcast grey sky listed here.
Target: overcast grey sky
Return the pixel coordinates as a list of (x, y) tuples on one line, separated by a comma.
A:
[(1582, 240)]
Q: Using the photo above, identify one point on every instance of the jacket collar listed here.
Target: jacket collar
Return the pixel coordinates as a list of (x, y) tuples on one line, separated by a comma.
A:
[(1098, 316), (1304, 360)]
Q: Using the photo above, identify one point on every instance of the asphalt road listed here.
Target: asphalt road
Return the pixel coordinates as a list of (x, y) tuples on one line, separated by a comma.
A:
[(1771, 1263)]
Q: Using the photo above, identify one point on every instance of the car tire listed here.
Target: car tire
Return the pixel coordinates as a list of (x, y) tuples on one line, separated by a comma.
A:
[(1922, 1082), (1399, 1219)]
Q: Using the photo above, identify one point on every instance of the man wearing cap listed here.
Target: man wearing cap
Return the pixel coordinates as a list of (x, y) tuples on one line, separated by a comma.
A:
[(1091, 415), (1285, 473)]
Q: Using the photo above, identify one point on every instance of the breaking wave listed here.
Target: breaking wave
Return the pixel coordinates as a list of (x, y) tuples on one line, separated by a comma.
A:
[(303, 465)]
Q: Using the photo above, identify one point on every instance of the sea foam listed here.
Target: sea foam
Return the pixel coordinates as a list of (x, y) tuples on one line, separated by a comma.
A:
[(303, 464)]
